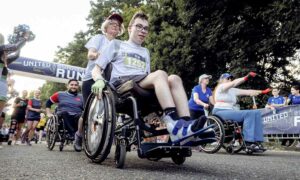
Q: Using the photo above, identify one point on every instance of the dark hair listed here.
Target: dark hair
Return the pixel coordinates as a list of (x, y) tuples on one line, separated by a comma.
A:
[(72, 80), (140, 15), (296, 87)]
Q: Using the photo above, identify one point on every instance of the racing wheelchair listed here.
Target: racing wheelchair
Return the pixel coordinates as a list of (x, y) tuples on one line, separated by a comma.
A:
[(101, 131), (56, 132)]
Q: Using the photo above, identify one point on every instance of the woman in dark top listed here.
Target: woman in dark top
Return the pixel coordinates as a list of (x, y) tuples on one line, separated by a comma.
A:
[(18, 117), (34, 108)]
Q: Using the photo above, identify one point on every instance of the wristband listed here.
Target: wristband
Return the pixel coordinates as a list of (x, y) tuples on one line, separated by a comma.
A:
[(246, 78), (266, 91)]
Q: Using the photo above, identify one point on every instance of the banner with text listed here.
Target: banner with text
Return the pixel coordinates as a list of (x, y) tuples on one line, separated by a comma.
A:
[(46, 70), (284, 120)]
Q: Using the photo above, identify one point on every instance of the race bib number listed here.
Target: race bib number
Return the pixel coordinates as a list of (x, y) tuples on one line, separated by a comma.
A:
[(135, 61)]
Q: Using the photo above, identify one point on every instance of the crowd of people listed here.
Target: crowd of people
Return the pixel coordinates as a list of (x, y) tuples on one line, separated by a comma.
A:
[(131, 61)]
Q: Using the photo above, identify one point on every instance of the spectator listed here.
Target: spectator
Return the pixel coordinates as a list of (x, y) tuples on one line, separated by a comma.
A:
[(294, 97), (275, 100), (41, 126), (201, 97)]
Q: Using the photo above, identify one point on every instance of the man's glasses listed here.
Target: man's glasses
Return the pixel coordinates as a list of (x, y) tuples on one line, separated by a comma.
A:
[(140, 27)]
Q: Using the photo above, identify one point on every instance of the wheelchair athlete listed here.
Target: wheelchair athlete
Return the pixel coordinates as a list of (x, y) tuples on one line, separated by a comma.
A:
[(226, 95), (131, 61), (70, 107)]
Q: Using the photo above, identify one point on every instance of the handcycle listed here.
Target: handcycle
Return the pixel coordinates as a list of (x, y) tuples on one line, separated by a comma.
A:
[(56, 132), (100, 130)]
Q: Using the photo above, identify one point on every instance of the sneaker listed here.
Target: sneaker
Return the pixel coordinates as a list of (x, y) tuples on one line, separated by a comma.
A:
[(252, 146), (9, 142), (179, 129), (28, 143), (78, 143), (17, 143), (261, 147)]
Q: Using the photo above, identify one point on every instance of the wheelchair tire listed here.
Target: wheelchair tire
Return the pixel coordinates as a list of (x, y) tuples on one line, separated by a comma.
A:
[(99, 124), (220, 135), (120, 154), (61, 147), (178, 159), (52, 132)]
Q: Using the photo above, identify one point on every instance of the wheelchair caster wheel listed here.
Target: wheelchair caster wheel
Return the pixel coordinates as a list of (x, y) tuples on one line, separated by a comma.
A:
[(230, 150), (178, 159), (61, 148), (120, 154)]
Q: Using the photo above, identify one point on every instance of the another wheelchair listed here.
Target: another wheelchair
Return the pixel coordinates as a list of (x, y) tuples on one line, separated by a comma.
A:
[(233, 141), (56, 132), (100, 130)]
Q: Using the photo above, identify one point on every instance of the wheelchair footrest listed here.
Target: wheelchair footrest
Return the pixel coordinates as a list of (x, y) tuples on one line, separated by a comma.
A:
[(161, 150)]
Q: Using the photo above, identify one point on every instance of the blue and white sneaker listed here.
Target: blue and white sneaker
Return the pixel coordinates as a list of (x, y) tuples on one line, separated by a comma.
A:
[(179, 129)]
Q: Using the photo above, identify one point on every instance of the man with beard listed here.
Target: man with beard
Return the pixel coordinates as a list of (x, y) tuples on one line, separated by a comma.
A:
[(69, 106)]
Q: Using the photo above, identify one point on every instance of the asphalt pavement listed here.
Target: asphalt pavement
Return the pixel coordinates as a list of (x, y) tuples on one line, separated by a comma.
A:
[(37, 162)]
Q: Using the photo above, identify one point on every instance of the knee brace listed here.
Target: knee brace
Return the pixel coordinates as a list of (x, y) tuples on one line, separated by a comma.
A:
[(13, 126)]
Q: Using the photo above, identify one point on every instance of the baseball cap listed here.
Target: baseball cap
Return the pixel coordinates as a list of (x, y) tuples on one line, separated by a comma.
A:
[(226, 75), (204, 76), (116, 16)]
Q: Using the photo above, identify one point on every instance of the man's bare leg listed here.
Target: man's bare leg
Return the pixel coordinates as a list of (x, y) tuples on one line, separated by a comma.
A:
[(179, 95), (158, 80)]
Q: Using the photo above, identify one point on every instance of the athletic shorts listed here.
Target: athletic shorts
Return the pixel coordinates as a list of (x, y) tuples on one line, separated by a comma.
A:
[(3, 90), (121, 80)]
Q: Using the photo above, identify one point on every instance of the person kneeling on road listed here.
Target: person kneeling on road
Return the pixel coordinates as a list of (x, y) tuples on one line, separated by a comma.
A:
[(70, 107), (131, 61)]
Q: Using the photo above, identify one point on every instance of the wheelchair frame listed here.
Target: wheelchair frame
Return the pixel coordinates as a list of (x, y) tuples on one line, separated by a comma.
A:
[(55, 132), (100, 119), (233, 141)]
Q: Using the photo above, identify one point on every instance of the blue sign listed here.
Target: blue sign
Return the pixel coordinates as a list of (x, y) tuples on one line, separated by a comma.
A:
[(46, 70), (283, 120)]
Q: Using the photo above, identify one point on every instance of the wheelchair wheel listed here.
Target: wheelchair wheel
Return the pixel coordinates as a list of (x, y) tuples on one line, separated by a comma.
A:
[(52, 132), (218, 129), (120, 153), (178, 159), (233, 142), (99, 124)]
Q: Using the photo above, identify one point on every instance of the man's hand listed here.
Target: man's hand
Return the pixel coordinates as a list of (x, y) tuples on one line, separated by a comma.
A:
[(98, 86)]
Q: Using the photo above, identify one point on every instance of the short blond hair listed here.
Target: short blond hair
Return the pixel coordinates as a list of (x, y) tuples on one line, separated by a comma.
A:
[(106, 23)]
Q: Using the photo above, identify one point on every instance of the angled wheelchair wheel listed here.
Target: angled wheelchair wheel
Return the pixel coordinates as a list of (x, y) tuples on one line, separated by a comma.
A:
[(99, 124), (52, 132), (218, 129), (120, 153), (233, 142)]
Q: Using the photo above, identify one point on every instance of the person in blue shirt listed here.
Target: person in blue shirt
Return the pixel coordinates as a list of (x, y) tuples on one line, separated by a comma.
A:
[(294, 97), (201, 96), (275, 100)]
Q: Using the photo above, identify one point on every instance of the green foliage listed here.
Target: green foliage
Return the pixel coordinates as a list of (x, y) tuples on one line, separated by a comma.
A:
[(191, 37)]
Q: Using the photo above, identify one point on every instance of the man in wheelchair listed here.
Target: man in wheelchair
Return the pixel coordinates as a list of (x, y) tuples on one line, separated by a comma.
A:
[(70, 107), (131, 61)]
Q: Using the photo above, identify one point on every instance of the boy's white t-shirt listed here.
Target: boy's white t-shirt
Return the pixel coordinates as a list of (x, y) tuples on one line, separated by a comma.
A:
[(127, 59)]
